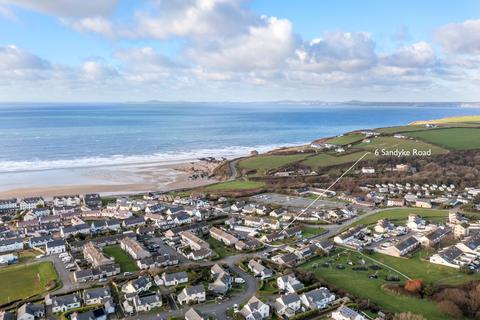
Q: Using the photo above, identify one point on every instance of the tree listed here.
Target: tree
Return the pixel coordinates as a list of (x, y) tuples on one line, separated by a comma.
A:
[(413, 286)]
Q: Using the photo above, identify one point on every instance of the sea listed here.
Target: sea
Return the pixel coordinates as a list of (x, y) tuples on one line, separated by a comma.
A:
[(59, 136)]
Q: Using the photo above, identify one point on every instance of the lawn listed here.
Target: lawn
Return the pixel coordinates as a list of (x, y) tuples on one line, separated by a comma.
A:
[(25, 280), (268, 162), (359, 284), (454, 120), (221, 249), (401, 215), (451, 138), (308, 232), (326, 160), (391, 143), (127, 264), (235, 185), (346, 139)]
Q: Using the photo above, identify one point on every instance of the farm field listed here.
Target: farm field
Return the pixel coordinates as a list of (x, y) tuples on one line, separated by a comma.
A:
[(127, 264), (451, 138), (400, 215), (25, 280), (397, 129), (391, 143), (235, 185), (326, 160), (455, 120), (346, 139), (359, 283), (264, 163)]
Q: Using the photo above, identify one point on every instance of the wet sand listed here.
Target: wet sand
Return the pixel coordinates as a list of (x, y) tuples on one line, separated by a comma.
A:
[(121, 179)]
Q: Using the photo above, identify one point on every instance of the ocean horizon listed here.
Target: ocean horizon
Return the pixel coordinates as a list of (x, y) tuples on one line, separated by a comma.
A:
[(59, 136)]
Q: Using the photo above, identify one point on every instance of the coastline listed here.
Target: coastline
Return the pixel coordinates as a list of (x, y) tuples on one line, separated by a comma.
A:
[(106, 180)]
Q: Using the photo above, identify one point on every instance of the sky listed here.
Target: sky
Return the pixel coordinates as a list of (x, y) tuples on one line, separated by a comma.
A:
[(239, 50)]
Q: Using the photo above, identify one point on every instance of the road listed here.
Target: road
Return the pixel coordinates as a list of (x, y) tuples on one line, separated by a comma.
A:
[(64, 275), (233, 169)]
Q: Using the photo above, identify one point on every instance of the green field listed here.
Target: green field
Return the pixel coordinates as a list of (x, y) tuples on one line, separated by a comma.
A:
[(401, 215), (308, 232), (326, 160), (235, 185), (127, 264), (359, 284), (451, 138), (346, 139), (264, 163), (221, 249), (397, 129), (25, 280), (391, 143)]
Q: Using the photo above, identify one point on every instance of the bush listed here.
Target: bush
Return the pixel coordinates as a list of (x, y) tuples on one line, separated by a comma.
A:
[(414, 286), (449, 308)]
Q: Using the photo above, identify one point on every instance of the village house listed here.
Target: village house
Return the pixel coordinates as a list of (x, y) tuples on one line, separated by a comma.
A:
[(133, 222), (141, 284), (193, 314), (69, 201), (248, 244), (195, 294), (348, 235), (55, 247), (262, 222), (31, 311), (368, 170), (172, 279), (404, 247), (31, 203), (395, 202), (158, 261), (36, 242), (220, 235), (289, 283), (95, 256), (222, 280), (454, 257), (134, 248), (423, 203), (259, 270), (8, 204), (73, 230), (95, 314), (96, 296), (105, 225), (147, 302), (317, 299), (288, 305), (255, 309), (435, 237), (92, 201), (63, 303), (345, 313), (383, 226)]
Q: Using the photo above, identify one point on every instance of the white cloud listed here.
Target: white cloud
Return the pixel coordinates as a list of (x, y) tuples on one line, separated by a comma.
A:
[(460, 38), (190, 18), (67, 8), (95, 24), (337, 51), (97, 69), (14, 58), (417, 55), (264, 46)]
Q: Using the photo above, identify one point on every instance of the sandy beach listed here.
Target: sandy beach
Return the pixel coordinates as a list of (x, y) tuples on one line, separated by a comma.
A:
[(111, 180)]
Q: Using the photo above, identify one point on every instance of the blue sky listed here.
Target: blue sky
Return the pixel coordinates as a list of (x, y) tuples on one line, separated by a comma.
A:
[(238, 50)]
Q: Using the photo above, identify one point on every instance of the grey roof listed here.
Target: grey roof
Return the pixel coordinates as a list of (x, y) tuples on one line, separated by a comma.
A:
[(437, 233), (406, 243), (474, 242), (193, 314), (96, 293), (148, 299), (67, 299), (175, 276), (289, 298), (347, 312), (318, 294), (55, 243), (195, 289), (31, 308), (451, 254), (91, 314)]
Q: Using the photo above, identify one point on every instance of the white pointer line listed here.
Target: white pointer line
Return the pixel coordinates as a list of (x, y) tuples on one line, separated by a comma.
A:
[(328, 189)]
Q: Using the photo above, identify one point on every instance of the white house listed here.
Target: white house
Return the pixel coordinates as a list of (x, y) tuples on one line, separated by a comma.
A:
[(55, 247), (288, 305), (255, 309), (63, 303), (289, 283), (317, 299), (195, 294), (345, 313)]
